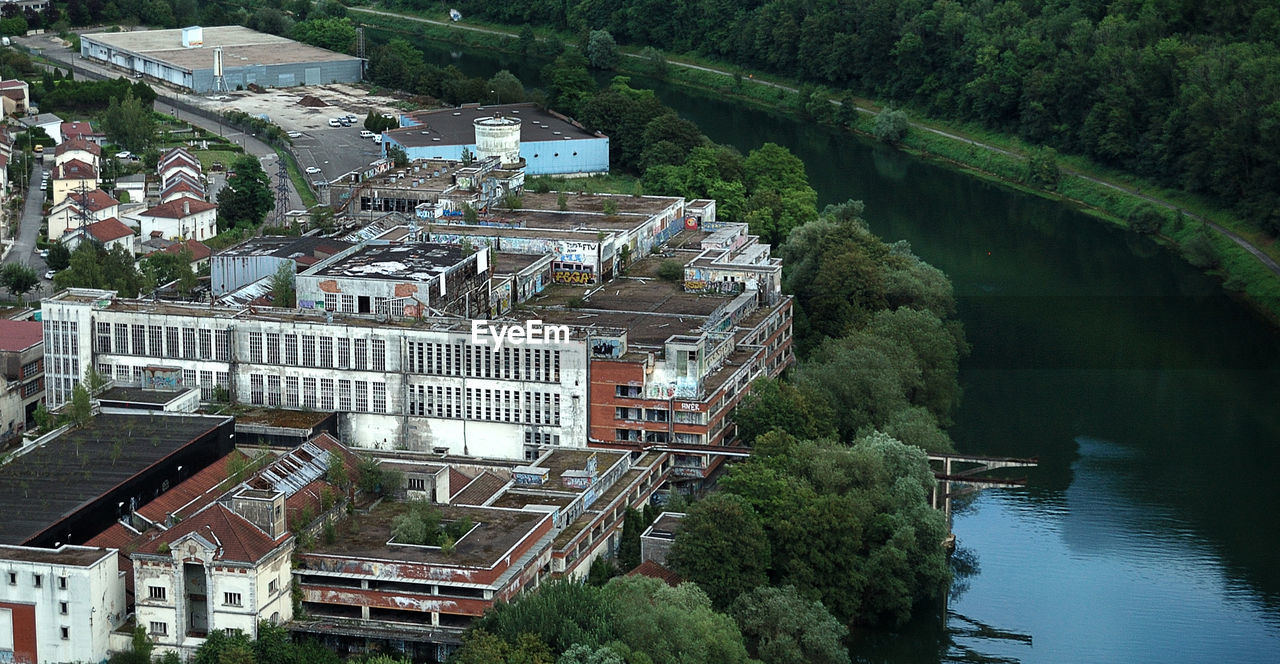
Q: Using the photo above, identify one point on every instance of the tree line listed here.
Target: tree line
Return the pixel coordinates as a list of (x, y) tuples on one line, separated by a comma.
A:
[(1185, 94)]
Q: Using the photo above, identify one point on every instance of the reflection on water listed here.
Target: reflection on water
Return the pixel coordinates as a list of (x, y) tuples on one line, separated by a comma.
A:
[(1149, 531)]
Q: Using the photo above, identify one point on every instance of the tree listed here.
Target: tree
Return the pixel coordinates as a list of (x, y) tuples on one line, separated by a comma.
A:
[(334, 34), (128, 123), (398, 156), (247, 197), (507, 89), (602, 50), (568, 82), (378, 123), (91, 266), (161, 267), (80, 410), (270, 20), (721, 546), (782, 627), (480, 647), (676, 625), (1042, 168), (775, 405), (18, 279), (282, 286), (561, 612), (891, 125), (671, 270), (629, 548)]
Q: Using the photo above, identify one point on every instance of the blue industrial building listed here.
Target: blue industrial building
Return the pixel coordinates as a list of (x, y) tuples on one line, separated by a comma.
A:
[(550, 143)]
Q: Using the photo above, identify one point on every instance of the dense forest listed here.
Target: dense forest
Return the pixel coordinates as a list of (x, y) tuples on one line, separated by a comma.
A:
[(1186, 93)]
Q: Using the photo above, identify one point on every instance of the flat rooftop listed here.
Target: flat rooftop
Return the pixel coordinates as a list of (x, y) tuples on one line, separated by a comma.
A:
[(508, 263), (585, 202), (496, 532), (79, 556), (241, 47), (454, 126), (420, 261), (54, 480), (286, 247), (139, 395)]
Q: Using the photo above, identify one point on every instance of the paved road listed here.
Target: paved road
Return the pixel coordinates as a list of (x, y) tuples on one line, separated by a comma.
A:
[(23, 249), (85, 70)]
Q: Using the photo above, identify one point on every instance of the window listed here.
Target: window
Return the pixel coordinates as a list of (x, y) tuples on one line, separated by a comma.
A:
[(273, 586), (62, 608), (291, 349), (379, 355), (222, 344), (38, 580), (362, 396), (255, 347), (122, 338), (231, 599), (171, 342), (417, 484), (155, 592), (631, 391), (309, 393), (66, 632), (255, 389), (379, 397), (13, 578), (273, 390), (344, 395), (326, 352), (159, 629), (291, 391), (62, 583), (344, 353), (104, 338), (326, 394), (273, 348), (308, 350), (362, 354), (206, 344), (155, 340), (331, 301), (189, 343)]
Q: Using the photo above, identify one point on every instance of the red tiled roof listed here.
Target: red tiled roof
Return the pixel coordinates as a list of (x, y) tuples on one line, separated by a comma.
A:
[(199, 251), (4, 160), (12, 83), (237, 539), (182, 184), (654, 570), (191, 494), (78, 128), (457, 482), (108, 229), (480, 490), (178, 160), (95, 200), (19, 335), (174, 208), (74, 169), (77, 143)]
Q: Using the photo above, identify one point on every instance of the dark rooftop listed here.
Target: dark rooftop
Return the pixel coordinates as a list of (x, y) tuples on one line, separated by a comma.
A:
[(420, 261), (509, 263), (497, 531), (454, 126), (81, 556), (139, 395), (283, 246), (54, 480)]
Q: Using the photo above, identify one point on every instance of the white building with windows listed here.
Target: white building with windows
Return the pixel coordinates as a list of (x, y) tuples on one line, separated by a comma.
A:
[(216, 570), (419, 385), (59, 605)]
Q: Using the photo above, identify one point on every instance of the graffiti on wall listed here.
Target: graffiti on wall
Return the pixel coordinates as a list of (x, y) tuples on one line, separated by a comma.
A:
[(162, 378), (606, 347), (573, 277)]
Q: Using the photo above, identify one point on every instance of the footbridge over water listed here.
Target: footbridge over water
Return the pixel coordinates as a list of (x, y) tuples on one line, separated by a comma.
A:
[(962, 474)]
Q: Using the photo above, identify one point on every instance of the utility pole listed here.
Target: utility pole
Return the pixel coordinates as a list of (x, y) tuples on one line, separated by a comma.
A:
[(282, 191)]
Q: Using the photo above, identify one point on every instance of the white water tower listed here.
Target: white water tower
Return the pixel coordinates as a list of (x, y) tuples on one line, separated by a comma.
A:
[(498, 137)]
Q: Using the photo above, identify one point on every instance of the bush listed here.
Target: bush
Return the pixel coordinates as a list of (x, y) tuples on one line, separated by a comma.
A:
[(672, 271), (891, 125)]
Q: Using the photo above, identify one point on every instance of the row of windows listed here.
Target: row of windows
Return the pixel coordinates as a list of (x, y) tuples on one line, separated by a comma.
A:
[(321, 351), (485, 404), (313, 393), (637, 436), (456, 359), (205, 380), (62, 360), (37, 580), (163, 341)]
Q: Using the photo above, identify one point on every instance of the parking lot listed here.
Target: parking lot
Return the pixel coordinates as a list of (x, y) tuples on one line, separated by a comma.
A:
[(334, 150)]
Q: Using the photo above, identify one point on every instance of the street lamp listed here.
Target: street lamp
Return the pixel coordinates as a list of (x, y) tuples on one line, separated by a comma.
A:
[(496, 97)]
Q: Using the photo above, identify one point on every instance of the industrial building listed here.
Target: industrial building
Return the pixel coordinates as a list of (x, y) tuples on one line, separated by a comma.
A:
[(548, 142), (220, 58)]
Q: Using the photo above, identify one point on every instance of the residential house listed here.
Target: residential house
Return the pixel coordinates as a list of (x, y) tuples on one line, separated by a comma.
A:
[(50, 123), (83, 131), (182, 218), (200, 253), (72, 176), (78, 148), (15, 97), (109, 233), (81, 209)]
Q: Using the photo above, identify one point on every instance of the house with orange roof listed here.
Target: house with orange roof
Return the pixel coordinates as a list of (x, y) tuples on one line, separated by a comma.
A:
[(71, 176), (109, 233), (81, 208), (78, 148), (181, 219)]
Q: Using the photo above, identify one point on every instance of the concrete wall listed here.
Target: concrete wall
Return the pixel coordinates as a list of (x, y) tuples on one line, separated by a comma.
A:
[(229, 273), (94, 599)]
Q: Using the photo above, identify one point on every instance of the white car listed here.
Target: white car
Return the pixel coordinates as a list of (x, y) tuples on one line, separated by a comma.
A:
[(312, 170), (377, 138), (124, 155), (44, 253), (365, 133), (294, 134), (352, 118), (49, 275), (335, 122)]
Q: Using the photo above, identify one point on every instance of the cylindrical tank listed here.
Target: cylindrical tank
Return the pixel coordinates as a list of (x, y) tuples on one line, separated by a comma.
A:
[(498, 137)]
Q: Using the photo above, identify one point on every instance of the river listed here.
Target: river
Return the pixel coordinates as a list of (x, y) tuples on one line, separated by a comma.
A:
[(1148, 533)]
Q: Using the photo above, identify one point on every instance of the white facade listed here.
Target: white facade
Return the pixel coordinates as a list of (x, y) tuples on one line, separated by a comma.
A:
[(62, 603), (237, 595), (197, 225), (401, 387), (498, 137), (64, 216)]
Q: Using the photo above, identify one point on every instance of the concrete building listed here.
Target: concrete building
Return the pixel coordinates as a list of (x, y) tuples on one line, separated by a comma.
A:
[(550, 518), (180, 219), (22, 372), (399, 281), (417, 384), (429, 189), (260, 257), (50, 123), (59, 605), (81, 208), (655, 541), (190, 58), (548, 142)]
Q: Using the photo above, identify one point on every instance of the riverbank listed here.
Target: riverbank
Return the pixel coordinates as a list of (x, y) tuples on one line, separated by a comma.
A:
[(1220, 243)]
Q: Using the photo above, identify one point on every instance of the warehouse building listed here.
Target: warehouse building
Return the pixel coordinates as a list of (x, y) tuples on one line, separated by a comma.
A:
[(192, 57), (547, 142)]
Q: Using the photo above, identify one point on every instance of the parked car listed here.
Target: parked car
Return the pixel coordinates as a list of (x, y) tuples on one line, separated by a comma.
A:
[(352, 118), (365, 133), (124, 155), (312, 170), (44, 253), (377, 138), (344, 122), (335, 122), (48, 275), (294, 134)]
